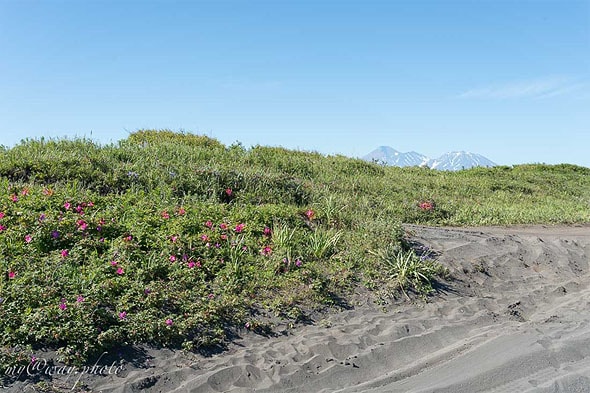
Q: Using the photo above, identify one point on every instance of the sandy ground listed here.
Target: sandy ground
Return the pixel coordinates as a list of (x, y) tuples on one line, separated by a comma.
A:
[(515, 317)]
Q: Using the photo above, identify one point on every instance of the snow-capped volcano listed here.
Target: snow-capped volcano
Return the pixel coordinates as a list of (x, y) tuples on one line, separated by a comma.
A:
[(458, 160), (389, 156), (452, 161)]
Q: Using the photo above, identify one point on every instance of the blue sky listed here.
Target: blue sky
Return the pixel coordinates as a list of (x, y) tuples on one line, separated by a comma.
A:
[(506, 79)]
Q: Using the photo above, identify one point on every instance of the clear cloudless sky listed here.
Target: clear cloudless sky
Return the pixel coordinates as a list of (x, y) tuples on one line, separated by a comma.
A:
[(507, 79)]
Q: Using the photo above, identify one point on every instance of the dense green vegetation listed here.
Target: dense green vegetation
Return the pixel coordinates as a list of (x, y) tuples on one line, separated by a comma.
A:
[(176, 239)]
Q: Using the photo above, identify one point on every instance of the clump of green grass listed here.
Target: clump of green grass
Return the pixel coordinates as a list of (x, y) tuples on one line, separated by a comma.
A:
[(175, 239), (409, 270)]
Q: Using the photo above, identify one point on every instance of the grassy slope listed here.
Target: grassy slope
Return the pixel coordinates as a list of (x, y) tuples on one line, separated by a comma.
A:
[(74, 213)]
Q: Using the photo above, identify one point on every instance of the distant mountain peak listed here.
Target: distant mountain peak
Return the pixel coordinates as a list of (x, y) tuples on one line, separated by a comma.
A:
[(457, 160), (451, 161), (389, 156)]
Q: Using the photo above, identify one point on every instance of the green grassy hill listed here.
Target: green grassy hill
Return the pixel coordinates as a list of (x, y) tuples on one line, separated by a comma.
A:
[(175, 239)]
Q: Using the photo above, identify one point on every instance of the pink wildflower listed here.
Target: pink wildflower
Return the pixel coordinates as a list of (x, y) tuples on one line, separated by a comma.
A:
[(228, 191), (169, 322), (310, 214), (181, 211), (64, 253), (120, 271), (209, 224), (28, 238), (62, 304), (11, 274), (67, 205), (25, 191), (2, 228), (114, 263), (191, 264), (223, 226), (2, 215), (266, 251), (173, 238), (267, 232), (172, 258), (240, 227), (82, 225), (165, 215), (204, 238), (123, 315), (426, 205), (80, 299)]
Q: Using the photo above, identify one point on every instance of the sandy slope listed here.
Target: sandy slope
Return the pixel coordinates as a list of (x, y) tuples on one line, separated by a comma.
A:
[(515, 318)]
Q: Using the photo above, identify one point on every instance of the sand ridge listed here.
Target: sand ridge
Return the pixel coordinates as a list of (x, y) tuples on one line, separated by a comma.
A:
[(515, 317)]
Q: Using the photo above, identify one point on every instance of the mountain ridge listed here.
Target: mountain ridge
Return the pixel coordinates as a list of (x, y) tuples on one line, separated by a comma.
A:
[(451, 161)]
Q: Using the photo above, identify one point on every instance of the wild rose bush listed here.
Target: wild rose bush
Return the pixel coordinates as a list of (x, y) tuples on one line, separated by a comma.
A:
[(82, 272)]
